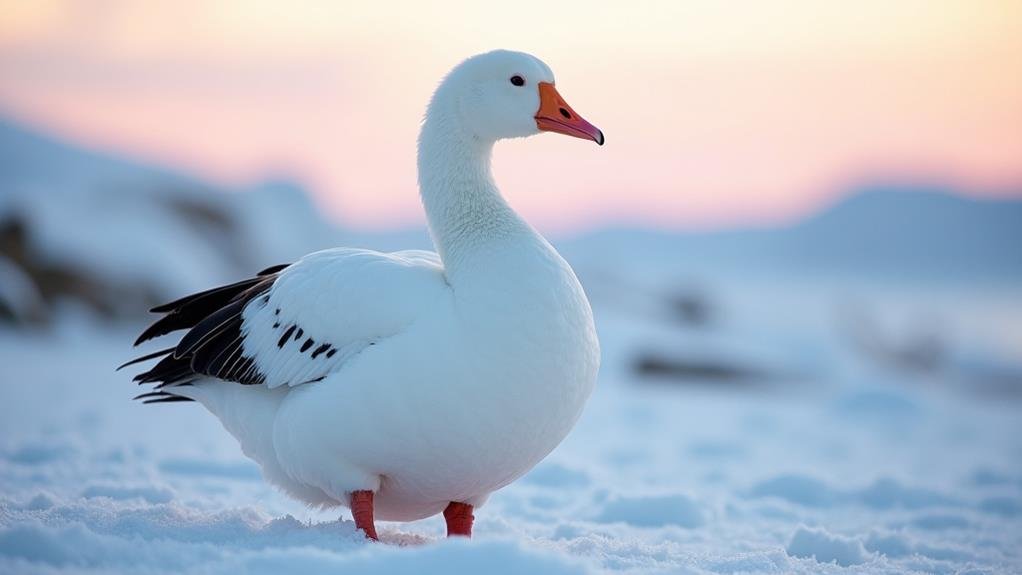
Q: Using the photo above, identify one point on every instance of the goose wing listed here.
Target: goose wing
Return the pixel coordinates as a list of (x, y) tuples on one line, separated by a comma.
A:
[(291, 324)]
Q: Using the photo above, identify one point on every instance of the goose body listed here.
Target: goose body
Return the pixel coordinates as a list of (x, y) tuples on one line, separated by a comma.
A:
[(422, 379)]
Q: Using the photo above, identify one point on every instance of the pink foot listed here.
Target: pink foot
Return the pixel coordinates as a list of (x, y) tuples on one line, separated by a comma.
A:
[(459, 519), (362, 511)]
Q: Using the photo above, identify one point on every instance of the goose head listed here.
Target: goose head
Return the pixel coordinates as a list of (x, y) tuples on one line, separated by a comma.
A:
[(504, 94)]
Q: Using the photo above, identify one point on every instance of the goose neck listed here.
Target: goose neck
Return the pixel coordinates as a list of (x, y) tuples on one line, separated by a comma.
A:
[(464, 209)]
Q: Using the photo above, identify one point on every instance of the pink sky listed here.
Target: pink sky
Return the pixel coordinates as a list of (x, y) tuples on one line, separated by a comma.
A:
[(715, 113)]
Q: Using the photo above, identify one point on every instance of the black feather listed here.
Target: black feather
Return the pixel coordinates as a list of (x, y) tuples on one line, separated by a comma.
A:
[(212, 355), (243, 371), (168, 399), (168, 369), (213, 346), (153, 355), (272, 270), (189, 311), (209, 328), (287, 334), (161, 397)]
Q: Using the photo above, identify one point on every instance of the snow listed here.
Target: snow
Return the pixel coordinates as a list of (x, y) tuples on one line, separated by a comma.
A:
[(826, 547), (860, 470), (793, 421), (653, 511)]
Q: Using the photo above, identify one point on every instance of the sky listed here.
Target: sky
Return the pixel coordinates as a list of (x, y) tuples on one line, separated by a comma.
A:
[(716, 113)]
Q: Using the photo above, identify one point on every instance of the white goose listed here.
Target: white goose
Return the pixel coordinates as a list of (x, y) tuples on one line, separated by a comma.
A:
[(409, 383)]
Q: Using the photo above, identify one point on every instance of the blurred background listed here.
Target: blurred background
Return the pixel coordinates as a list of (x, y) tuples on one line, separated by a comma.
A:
[(802, 241)]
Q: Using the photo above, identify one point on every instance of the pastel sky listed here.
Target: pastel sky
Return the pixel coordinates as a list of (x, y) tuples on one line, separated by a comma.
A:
[(716, 113)]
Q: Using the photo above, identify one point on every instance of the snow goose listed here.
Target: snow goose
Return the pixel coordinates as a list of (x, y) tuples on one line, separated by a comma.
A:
[(410, 383)]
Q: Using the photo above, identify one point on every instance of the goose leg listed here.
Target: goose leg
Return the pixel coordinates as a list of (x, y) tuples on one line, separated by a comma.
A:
[(362, 511), (459, 519)]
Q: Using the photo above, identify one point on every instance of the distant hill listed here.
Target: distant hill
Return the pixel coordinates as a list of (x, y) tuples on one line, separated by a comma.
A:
[(897, 232), (925, 230)]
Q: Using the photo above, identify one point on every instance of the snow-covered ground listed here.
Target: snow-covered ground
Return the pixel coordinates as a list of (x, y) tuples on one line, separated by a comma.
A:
[(825, 462), (843, 396)]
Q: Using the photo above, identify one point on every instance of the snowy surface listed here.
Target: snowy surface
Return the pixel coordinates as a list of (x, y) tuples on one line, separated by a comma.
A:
[(839, 465)]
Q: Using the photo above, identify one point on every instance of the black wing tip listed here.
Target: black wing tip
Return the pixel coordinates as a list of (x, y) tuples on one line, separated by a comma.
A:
[(146, 357), (152, 332), (229, 290), (160, 397), (207, 316), (170, 399), (209, 327), (272, 269)]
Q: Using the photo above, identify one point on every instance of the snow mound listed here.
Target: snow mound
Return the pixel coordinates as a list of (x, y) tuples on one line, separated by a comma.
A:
[(827, 547), (653, 511), (67, 539), (801, 489), (150, 494)]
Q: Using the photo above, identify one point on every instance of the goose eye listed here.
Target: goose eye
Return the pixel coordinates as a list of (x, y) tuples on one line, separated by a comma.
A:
[(517, 80)]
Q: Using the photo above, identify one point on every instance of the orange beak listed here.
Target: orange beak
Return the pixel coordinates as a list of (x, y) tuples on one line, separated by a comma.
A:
[(555, 115)]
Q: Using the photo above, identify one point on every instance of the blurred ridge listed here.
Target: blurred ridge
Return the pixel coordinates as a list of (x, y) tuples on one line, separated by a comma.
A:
[(897, 232)]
